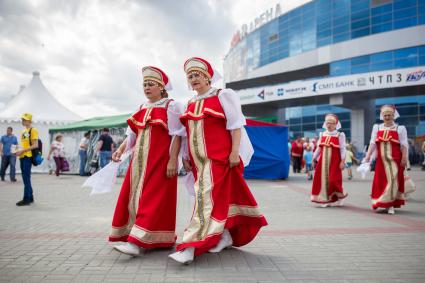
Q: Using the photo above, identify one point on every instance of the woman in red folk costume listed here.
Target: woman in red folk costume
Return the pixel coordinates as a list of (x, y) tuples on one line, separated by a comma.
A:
[(225, 212), (330, 157), (389, 140), (145, 215)]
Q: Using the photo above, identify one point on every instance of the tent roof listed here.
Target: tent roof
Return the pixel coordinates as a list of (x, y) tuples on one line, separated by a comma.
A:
[(38, 101), (120, 121), (117, 121)]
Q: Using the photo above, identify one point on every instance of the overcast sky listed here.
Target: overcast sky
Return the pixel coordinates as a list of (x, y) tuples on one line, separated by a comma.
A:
[(90, 53)]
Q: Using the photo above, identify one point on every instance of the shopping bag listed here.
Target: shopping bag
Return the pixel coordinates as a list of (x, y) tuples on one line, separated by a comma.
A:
[(65, 165)]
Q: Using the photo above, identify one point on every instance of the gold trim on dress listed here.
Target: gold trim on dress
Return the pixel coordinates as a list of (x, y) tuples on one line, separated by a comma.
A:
[(152, 237), (201, 223), (244, 210)]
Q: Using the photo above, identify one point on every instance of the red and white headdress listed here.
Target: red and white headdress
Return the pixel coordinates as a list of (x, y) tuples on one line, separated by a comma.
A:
[(332, 118), (203, 66), (387, 108), (155, 74)]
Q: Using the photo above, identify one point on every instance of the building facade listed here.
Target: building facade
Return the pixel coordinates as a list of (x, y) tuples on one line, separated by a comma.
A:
[(347, 57)]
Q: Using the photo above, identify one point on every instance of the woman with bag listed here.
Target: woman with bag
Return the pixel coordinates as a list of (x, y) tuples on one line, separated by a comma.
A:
[(389, 140), (225, 213), (58, 150), (145, 214)]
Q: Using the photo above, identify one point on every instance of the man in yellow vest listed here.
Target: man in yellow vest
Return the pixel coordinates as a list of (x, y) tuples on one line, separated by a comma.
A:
[(29, 141)]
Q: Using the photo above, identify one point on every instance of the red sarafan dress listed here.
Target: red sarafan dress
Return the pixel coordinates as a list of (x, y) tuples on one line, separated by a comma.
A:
[(145, 213), (388, 182), (222, 197), (327, 181)]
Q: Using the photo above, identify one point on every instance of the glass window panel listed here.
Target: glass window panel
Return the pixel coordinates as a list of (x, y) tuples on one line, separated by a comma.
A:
[(406, 53), (360, 15), (382, 28), (359, 69), (340, 68), (323, 34), (405, 23), (408, 111), (344, 116), (360, 24), (421, 60), (360, 33), (382, 9), (382, 18), (341, 37), (341, 29), (401, 4), (310, 119), (421, 50), (324, 26), (360, 60), (324, 42), (309, 127), (358, 6), (341, 21), (381, 66), (382, 56), (404, 63), (421, 9), (323, 5), (421, 20), (405, 13)]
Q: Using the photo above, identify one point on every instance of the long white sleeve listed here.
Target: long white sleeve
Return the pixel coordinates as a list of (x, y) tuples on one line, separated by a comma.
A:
[(131, 139), (175, 127), (374, 134), (236, 120), (317, 152), (232, 109), (342, 145), (402, 136)]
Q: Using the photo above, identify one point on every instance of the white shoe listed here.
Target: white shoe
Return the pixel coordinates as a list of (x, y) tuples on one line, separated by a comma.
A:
[(340, 202), (128, 248), (325, 205), (225, 242), (185, 256), (391, 210)]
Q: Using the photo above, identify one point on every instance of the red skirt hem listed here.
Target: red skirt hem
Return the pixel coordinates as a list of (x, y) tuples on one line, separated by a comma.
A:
[(242, 228), (396, 204)]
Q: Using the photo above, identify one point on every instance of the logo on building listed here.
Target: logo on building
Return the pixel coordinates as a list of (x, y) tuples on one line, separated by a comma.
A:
[(361, 82), (261, 94), (315, 87), (280, 92), (415, 76)]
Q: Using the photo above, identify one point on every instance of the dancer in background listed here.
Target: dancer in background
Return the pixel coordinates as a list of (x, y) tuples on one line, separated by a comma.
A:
[(389, 140), (330, 157)]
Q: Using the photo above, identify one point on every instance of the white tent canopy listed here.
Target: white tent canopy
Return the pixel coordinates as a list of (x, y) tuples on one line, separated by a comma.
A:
[(46, 110), (38, 101)]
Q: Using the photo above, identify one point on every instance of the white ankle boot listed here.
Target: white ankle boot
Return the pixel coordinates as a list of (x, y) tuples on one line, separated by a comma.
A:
[(185, 256), (324, 205), (391, 210), (128, 248), (225, 242)]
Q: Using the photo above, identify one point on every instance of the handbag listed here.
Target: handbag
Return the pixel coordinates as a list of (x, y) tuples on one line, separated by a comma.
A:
[(65, 165), (409, 186)]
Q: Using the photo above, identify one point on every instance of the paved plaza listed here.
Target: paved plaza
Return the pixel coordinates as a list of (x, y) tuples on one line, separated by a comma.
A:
[(62, 237)]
